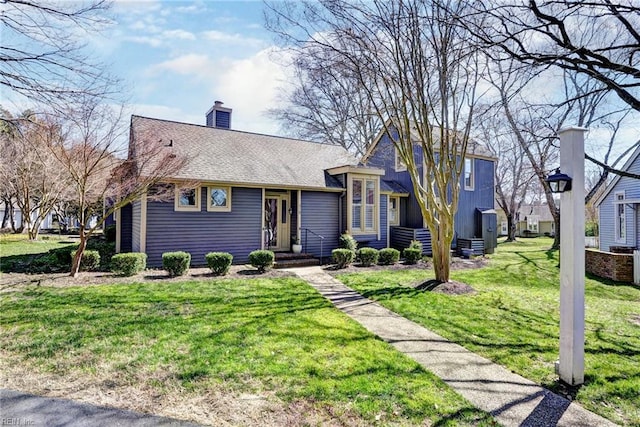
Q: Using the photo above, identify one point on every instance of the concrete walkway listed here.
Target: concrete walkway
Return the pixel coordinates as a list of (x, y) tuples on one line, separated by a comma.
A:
[(510, 398), (22, 409)]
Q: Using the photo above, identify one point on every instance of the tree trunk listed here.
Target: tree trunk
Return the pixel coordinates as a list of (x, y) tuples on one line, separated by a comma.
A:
[(5, 216), (556, 237), (511, 229), (75, 263), (442, 251)]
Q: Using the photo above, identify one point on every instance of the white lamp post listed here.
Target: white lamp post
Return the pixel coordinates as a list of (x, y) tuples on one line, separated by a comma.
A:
[(571, 368)]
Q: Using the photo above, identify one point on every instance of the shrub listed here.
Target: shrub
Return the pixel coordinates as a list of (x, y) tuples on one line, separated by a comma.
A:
[(110, 233), (219, 262), (62, 256), (347, 241), (388, 256), (412, 255), (416, 244), (90, 259), (343, 257), (368, 256), (128, 264), (106, 250), (176, 263), (262, 260)]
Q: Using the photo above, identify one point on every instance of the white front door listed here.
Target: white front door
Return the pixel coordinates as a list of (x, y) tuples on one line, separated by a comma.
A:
[(276, 220)]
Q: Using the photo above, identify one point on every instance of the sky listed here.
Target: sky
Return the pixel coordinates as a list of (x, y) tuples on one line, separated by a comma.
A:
[(178, 57)]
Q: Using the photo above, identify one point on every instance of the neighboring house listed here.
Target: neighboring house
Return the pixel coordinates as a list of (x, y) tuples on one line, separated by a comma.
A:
[(618, 208), (535, 220), (243, 191)]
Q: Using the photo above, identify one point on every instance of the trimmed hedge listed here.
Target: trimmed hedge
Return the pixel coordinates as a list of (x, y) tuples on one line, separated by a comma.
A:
[(343, 257), (176, 263), (262, 260), (347, 241), (412, 255), (368, 256), (90, 260), (388, 256), (219, 262), (128, 264)]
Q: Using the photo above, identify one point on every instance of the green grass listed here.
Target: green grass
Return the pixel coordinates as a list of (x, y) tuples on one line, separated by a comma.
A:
[(514, 321), (276, 335), (17, 252)]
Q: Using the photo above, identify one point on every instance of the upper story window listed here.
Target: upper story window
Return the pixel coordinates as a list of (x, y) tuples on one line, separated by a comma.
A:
[(399, 165), (187, 199), (218, 199), (468, 174), (364, 205), (621, 225)]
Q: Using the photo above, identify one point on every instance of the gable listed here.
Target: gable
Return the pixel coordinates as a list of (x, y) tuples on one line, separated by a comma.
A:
[(631, 165), (383, 145), (229, 156)]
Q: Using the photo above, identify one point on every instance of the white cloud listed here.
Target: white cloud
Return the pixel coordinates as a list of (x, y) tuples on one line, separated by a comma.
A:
[(219, 36), (190, 64), (250, 86), (178, 34)]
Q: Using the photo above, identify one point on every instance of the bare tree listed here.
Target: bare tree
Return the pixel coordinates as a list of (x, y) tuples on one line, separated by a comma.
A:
[(43, 56), (420, 75), (325, 104), (92, 155), (513, 171), (597, 40), (34, 181)]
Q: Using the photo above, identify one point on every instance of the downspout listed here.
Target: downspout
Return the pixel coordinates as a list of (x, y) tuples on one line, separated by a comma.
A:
[(340, 207)]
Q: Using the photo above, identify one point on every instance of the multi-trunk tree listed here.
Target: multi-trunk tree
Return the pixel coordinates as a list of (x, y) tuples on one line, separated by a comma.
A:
[(414, 64)]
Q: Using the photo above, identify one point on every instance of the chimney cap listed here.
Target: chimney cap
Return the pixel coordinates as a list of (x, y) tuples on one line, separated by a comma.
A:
[(218, 103)]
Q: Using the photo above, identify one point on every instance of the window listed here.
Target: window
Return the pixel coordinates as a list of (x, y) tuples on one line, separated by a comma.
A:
[(504, 227), (219, 199), (468, 174), (621, 225), (398, 163), (532, 223), (187, 199), (364, 193), (394, 210)]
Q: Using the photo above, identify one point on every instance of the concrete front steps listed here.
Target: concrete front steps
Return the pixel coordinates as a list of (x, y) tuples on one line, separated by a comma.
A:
[(290, 260)]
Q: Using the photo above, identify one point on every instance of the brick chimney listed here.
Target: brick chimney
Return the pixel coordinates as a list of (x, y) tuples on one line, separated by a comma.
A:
[(219, 116)]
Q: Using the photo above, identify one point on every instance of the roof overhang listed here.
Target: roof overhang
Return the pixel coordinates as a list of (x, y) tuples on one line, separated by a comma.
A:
[(356, 170)]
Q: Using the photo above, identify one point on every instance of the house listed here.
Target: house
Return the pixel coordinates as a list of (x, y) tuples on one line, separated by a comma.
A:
[(244, 191), (618, 208), (475, 220), (535, 219)]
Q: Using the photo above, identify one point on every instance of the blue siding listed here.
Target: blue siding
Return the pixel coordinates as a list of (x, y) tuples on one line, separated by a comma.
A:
[(135, 226), (320, 214), (237, 232), (481, 197), (631, 188)]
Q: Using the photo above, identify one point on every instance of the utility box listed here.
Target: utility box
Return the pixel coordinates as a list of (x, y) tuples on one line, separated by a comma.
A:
[(487, 229)]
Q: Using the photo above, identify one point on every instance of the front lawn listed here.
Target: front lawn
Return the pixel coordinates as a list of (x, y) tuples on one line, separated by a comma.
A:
[(514, 321), (197, 344), (18, 253)]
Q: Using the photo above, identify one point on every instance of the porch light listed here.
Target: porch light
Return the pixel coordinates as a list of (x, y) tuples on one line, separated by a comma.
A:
[(559, 182)]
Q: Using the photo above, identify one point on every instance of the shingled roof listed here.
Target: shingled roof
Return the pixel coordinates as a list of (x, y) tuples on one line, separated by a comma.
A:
[(229, 156)]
